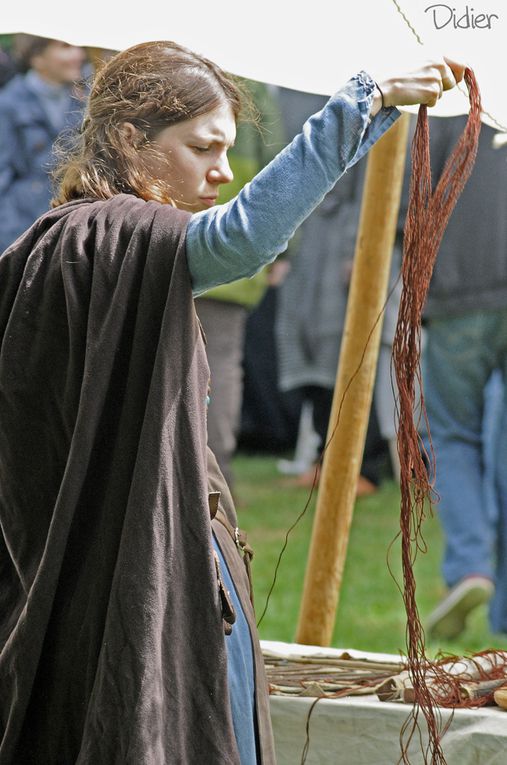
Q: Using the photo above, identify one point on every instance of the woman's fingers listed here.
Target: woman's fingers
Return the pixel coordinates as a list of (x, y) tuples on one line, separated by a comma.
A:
[(457, 69), (448, 79), (441, 76), (434, 91), (424, 86)]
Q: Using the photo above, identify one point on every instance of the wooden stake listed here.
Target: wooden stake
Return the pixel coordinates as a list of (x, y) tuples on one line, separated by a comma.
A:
[(356, 375)]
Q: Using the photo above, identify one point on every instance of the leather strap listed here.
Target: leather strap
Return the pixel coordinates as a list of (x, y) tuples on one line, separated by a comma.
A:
[(239, 538), (228, 612)]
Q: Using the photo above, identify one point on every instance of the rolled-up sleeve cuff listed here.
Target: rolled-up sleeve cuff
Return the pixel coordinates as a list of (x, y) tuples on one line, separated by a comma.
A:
[(375, 126)]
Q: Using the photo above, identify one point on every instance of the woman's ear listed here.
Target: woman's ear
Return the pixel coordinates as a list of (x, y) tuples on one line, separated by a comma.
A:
[(131, 134)]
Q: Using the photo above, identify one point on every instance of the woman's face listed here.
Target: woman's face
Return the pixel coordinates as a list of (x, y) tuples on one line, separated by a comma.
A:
[(195, 154)]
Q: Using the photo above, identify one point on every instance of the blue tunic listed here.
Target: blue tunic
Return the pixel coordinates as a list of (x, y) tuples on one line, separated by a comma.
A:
[(240, 668)]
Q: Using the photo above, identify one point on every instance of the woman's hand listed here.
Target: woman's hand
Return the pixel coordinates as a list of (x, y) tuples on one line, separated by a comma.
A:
[(423, 86)]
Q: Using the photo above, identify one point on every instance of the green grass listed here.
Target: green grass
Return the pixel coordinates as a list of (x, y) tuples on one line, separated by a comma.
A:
[(370, 614)]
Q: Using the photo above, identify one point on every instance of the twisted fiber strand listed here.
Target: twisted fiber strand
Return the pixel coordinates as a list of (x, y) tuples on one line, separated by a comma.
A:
[(427, 218)]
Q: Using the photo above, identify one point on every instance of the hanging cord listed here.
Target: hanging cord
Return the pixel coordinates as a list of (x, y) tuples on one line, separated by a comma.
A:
[(427, 218)]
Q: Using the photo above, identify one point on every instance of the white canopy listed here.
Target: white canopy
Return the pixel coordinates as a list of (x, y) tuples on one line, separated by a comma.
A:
[(314, 47)]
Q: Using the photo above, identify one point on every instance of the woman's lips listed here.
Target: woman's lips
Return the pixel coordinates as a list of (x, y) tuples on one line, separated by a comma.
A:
[(209, 201)]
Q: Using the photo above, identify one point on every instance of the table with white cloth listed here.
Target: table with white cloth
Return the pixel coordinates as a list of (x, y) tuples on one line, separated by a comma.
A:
[(361, 730)]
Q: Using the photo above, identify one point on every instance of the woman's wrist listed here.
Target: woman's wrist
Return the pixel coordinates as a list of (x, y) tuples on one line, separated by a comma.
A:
[(389, 90)]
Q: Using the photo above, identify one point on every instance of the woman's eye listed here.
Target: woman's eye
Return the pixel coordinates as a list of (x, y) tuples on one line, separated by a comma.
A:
[(201, 149)]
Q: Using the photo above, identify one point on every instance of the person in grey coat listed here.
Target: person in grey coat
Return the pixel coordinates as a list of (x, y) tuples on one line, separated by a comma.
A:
[(35, 108), (466, 321), (312, 303)]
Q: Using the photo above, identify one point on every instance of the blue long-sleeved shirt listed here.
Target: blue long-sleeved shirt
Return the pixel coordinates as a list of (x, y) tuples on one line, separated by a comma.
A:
[(237, 239)]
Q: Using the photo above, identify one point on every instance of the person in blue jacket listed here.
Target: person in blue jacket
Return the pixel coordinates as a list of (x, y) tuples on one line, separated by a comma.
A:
[(35, 107)]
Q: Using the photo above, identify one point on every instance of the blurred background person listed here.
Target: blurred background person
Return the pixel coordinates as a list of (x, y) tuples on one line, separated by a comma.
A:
[(270, 418), (36, 105), (8, 66), (464, 374), (312, 305)]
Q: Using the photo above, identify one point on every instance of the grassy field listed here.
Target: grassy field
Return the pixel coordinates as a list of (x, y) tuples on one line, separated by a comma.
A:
[(370, 614)]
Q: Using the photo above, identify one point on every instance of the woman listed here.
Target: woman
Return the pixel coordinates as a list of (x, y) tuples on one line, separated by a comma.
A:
[(113, 607)]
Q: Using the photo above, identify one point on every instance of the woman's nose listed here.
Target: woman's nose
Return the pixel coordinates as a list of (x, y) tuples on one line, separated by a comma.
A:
[(221, 172)]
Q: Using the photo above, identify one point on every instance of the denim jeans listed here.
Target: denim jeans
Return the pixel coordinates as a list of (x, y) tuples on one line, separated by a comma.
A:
[(461, 355)]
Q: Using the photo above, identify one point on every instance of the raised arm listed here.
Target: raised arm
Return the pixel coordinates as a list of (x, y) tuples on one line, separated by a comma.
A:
[(235, 240), (238, 238)]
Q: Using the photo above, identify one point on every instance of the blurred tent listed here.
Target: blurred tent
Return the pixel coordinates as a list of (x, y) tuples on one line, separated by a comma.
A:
[(314, 51)]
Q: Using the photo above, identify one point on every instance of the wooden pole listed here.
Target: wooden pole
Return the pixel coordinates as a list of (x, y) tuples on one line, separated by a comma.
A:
[(356, 373)]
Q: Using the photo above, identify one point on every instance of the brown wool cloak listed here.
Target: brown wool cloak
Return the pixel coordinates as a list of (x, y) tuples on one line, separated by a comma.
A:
[(111, 636)]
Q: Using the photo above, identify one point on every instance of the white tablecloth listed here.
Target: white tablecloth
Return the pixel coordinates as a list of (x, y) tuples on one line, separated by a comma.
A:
[(361, 730)]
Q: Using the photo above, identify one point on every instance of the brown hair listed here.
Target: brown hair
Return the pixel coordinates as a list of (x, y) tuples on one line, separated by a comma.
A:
[(152, 86)]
